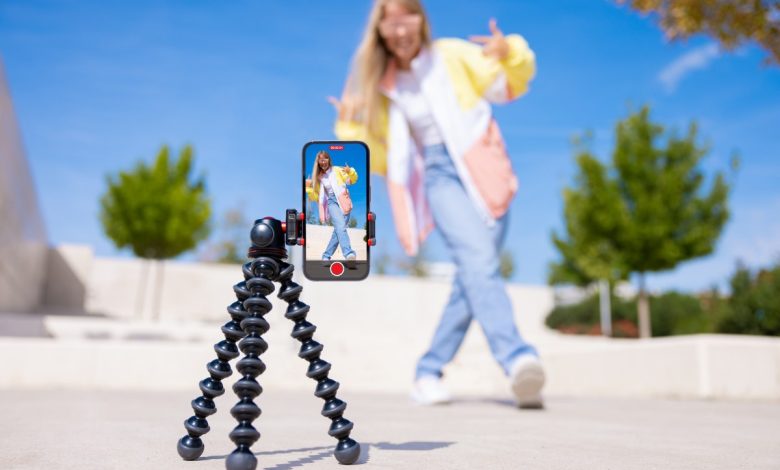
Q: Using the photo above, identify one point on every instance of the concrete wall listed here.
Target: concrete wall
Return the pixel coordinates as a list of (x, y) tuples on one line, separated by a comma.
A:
[(373, 331), (69, 269), (707, 366), (22, 233), (152, 290)]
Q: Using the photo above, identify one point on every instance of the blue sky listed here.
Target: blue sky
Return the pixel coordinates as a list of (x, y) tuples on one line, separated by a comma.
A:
[(98, 85)]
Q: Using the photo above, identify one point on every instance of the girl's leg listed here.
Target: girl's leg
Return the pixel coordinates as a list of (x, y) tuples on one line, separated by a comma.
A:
[(474, 247), (340, 221), (454, 324), (455, 321), (335, 214), (332, 245)]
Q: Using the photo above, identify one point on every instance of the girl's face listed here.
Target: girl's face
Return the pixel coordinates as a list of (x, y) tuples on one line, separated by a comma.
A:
[(324, 162), (401, 30)]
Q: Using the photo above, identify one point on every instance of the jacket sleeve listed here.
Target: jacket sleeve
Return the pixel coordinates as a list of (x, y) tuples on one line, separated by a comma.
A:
[(497, 81), (313, 196), (377, 145), (349, 177)]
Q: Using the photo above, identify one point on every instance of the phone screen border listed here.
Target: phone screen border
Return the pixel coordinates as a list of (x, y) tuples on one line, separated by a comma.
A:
[(303, 206)]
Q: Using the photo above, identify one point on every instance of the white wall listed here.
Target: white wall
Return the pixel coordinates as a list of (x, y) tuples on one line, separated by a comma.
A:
[(22, 233), (373, 331)]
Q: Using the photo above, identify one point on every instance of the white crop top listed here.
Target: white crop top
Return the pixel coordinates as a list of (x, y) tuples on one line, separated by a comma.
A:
[(325, 180), (417, 110)]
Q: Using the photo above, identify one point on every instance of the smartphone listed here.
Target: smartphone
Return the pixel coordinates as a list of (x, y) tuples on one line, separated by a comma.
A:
[(338, 223)]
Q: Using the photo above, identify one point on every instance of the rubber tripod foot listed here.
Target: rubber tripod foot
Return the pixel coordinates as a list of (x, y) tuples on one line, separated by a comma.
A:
[(239, 460), (190, 448), (347, 452)]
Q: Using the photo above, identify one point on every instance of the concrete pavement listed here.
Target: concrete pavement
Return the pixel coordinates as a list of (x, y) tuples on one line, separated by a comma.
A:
[(318, 236), (139, 430)]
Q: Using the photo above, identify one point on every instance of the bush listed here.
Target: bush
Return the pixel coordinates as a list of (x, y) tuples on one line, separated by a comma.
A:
[(583, 313), (584, 318), (674, 313), (754, 306)]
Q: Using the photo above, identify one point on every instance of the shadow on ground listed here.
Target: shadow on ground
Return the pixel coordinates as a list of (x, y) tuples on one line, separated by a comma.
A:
[(500, 402), (324, 452)]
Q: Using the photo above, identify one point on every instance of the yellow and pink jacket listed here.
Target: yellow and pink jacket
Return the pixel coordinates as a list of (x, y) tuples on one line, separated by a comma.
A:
[(339, 179), (459, 82)]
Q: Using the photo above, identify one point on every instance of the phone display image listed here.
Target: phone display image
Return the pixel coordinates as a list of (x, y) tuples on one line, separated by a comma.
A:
[(336, 205)]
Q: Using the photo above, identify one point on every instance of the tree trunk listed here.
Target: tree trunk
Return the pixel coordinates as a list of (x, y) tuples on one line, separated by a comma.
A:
[(605, 307), (643, 309), (158, 289), (140, 297)]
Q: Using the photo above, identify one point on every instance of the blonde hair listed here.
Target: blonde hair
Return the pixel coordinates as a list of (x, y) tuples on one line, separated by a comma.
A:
[(371, 60), (315, 171)]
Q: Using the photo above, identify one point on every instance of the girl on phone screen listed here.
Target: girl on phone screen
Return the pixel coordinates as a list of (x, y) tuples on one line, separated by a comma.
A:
[(328, 187), (424, 109)]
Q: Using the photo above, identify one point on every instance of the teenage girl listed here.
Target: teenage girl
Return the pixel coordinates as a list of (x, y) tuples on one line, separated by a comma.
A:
[(424, 109)]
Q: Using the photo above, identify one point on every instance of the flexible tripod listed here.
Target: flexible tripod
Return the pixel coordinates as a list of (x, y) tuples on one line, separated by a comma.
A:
[(247, 324)]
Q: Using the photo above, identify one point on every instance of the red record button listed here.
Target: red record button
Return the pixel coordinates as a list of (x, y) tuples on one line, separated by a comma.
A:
[(337, 269)]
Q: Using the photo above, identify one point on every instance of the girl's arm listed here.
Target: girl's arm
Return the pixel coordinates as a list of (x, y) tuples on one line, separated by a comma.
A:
[(497, 74), (313, 196), (348, 128), (350, 176)]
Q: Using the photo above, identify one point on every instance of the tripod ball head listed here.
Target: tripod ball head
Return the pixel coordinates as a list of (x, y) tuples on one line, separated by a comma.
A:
[(262, 233), (267, 237)]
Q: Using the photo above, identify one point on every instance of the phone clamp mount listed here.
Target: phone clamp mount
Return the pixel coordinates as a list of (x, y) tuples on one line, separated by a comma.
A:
[(244, 332), (295, 221)]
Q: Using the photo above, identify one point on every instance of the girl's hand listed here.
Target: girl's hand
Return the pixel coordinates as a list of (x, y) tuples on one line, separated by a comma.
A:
[(346, 109), (345, 168), (494, 45), (308, 182)]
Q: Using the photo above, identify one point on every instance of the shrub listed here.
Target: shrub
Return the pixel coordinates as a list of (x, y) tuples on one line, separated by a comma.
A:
[(676, 313), (754, 305)]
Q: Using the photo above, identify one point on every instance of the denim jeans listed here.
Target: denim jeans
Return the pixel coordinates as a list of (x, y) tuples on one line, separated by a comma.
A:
[(478, 292), (339, 236)]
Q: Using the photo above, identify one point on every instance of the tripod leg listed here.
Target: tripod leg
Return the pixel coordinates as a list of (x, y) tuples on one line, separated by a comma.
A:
[(253, 345), (190, 447), (347, 450)]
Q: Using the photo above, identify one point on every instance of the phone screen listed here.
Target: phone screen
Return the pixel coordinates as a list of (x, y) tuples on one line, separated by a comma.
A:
[(336, 196)]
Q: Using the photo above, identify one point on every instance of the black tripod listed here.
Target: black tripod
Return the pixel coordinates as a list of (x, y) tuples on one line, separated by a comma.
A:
[(247, 324)]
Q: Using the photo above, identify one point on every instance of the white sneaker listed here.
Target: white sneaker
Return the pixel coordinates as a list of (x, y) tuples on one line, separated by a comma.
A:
[(527, 379), (429, 390)]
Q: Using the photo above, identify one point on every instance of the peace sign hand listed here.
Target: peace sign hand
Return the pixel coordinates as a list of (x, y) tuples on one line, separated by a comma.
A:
[(495, 45), (347, 108)]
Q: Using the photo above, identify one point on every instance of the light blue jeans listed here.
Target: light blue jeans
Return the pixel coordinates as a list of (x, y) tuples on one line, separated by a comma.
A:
[(478, 292), (339, 236)]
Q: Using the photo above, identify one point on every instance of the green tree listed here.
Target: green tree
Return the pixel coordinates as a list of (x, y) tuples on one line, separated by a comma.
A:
[(647, 211), (417, 265), (730, 22), (586, 254), (382, 263), (311, 212), (234, 239), (506, 264), (157, 211), (754, 305)]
